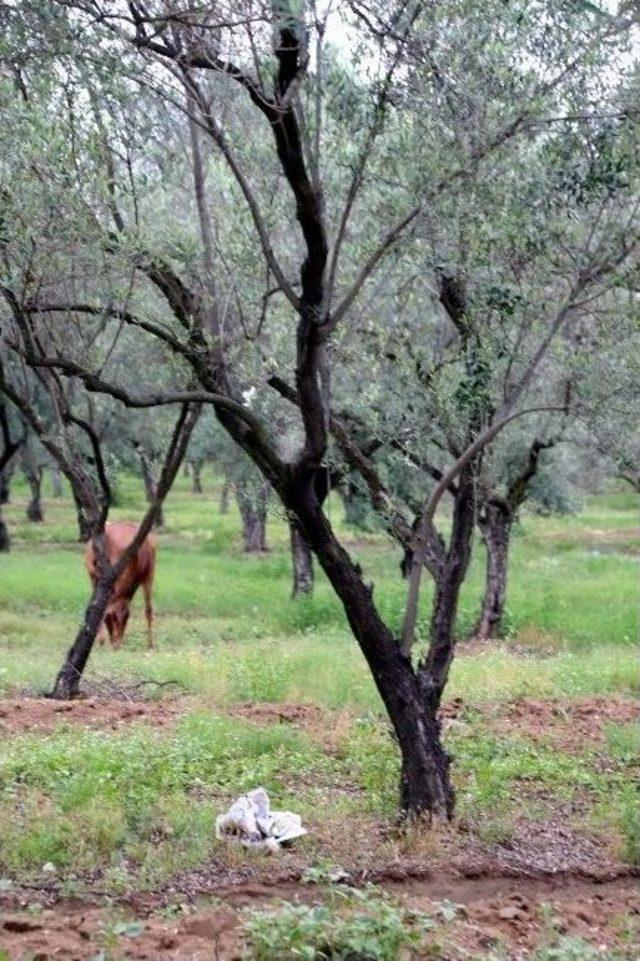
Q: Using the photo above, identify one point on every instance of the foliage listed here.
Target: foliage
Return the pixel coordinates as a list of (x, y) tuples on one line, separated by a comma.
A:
[(354, 926)]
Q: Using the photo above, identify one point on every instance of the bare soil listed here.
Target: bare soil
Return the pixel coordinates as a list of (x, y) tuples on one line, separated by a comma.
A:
[(42, 715), (490, 910), (301, 715), (574, 726)]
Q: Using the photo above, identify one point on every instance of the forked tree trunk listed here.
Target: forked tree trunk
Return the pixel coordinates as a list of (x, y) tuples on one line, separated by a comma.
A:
[(5, 540), (224, 498), (302, 562), (253, 511), (425, 782), (495, 526), (34, 480)]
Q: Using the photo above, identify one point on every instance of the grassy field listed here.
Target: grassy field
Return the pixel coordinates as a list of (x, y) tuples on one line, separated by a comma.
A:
[(130, 803)]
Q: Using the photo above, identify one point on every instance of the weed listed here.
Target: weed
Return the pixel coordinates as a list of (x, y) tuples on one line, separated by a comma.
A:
[(355, 926), (575, 949)]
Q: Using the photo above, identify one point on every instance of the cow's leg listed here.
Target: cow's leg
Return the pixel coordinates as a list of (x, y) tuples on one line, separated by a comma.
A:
[(147, 587), (102, 634)]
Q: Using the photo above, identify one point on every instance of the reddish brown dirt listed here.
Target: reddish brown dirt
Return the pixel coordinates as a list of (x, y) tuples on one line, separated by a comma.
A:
[(518, 913), (41, 715), (298, 714), (574, 726)]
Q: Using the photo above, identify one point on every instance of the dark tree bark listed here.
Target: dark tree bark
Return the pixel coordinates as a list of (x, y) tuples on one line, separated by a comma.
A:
[(224, 497), (302, 562), (10, 448), (84, 524), (425, 783), (33, 474), (5, 485), (434, 670), (196, 475), (495, 520), (495, 527), (253, 511), (5, 540), (68, 680)]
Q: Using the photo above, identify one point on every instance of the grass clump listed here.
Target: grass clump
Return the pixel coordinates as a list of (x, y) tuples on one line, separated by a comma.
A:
[(352, 926)]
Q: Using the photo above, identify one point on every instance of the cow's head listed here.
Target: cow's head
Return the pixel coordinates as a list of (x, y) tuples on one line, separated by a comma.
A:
[(116, 619)]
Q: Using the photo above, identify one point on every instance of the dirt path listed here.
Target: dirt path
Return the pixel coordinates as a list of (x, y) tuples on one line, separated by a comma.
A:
[(518, 913)]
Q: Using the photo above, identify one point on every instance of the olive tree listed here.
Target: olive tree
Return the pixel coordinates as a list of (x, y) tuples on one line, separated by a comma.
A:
[(322, 222)]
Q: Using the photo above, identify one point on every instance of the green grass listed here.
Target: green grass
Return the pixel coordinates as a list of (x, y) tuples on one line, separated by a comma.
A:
[(140, 804), (89, 799)]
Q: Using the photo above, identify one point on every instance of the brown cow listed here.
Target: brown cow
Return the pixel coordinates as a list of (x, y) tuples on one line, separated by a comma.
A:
[(138, 571)]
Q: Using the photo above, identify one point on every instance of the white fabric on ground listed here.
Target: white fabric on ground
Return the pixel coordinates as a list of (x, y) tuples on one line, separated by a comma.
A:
[(250, 821)]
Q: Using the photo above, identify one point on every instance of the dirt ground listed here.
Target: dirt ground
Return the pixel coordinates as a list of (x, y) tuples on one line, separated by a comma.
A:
[(574, 724), (545, 878), (42, 715), (489, 910)]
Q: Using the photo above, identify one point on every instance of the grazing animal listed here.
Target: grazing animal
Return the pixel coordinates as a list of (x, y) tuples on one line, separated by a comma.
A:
[(138, 572)]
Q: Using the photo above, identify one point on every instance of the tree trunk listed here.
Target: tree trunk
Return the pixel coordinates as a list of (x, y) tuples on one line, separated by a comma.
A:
[(84, 525), (5, 484), (68, 680), (34, 479), (56, 481), (196, 484), (302, 560), (150, 484), (5, 540), (425, 786), (434, 669), (224, 498), (254, 517), (495, 526)]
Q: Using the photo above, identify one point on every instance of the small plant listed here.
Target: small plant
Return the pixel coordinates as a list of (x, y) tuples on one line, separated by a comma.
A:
[(574, 949), (631, 831), (354, 926)]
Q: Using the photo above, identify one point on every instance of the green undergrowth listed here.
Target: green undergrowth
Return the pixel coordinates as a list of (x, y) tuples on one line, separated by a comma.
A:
[(81, 799), (351, 925), (142, 804)]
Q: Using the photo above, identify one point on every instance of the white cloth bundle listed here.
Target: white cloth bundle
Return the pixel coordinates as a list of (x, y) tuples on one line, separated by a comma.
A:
[(250, 821)]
